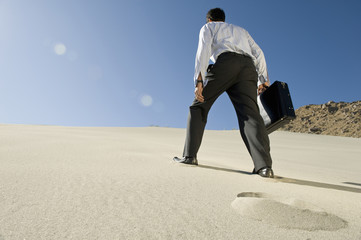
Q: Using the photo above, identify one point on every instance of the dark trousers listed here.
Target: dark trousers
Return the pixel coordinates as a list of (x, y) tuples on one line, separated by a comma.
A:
[(236, 75)]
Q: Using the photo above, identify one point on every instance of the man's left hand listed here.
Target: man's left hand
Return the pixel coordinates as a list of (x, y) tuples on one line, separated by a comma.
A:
[(198, 92)]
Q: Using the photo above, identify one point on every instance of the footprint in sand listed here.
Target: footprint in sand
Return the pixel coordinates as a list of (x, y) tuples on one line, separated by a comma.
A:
[(286, 213)]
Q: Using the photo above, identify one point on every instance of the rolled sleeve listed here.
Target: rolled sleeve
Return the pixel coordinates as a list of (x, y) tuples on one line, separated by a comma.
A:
[(259, 60), (203, 53)]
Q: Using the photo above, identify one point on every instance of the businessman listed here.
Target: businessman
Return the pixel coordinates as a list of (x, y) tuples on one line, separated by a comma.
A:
[(240, 70)]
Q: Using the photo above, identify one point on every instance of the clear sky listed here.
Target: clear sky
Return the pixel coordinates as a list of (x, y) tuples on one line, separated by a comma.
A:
[(130, 63)]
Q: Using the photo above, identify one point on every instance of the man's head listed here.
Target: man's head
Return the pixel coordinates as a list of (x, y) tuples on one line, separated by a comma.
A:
[(216, 15)]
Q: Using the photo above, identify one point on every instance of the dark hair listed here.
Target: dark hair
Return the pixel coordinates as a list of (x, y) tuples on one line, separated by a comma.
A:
[(216, 14)]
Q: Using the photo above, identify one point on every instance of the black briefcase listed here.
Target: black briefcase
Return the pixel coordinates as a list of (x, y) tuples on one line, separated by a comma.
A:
[(275, 106)]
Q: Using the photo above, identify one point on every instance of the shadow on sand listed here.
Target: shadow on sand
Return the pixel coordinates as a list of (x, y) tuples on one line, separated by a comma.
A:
[(294, 181)]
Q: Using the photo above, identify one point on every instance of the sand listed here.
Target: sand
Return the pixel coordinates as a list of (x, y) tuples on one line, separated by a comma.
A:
[(120, 183)]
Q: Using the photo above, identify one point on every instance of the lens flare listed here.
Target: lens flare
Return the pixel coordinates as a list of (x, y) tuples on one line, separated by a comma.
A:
[(59, 49), (146, 100)]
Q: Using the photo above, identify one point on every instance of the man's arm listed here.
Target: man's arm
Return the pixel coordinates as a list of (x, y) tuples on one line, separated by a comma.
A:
[(203, 53), (260, 61)]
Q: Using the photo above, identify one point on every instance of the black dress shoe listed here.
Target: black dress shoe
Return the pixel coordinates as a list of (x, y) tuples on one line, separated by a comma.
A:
[(264, 172), (186, 160)]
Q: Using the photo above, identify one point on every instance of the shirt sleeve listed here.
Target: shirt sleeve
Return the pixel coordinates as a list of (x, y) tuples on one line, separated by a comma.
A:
[(203, 53), (260, 61)]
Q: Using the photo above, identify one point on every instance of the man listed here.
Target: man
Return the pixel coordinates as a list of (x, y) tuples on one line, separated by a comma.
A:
[(239, 66)]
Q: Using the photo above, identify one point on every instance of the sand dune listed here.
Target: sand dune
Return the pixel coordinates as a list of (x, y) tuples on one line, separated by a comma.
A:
[(120, 183)]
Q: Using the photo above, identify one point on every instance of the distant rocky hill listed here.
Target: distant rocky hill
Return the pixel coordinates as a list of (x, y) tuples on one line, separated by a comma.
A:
[(337, 119)]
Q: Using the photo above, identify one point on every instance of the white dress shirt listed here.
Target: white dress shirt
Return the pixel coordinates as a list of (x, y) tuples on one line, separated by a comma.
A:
[(219, 37)]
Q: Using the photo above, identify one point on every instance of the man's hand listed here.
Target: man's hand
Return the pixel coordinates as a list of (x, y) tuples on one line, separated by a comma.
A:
[(263, 87), (198, 92)]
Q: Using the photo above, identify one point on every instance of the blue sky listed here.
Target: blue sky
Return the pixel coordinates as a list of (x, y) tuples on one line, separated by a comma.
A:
[(130, 63)]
